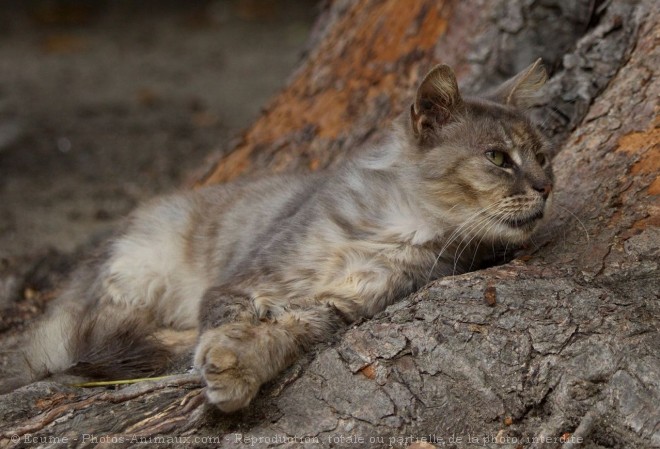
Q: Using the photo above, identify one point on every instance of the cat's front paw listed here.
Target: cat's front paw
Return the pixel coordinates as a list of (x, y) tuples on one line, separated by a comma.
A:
[(230, 384)]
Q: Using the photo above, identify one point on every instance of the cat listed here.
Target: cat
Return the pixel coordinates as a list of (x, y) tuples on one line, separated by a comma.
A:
[(255, 272)]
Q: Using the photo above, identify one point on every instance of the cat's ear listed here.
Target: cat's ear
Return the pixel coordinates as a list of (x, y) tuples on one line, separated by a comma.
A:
[(521, 90), (436, 103)]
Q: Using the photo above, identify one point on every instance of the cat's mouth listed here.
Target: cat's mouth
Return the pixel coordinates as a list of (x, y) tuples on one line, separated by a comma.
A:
[(524, 222)]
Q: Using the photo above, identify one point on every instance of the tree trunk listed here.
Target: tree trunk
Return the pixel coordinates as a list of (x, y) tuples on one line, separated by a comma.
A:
[(561, 343)]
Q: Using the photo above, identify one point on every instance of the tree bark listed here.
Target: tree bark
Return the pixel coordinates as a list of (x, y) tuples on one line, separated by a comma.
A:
[(563, 342)]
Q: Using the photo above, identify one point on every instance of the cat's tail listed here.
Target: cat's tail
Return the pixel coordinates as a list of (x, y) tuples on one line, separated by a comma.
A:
[(115, 345), (109, 342)]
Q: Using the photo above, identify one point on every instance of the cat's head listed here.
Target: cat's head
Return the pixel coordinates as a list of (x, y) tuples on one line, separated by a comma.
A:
[(482, 164)]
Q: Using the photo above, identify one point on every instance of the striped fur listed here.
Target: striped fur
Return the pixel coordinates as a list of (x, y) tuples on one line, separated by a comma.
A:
[(264, 269)]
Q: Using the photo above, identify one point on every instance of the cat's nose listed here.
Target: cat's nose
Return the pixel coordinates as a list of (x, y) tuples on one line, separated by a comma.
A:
[(544, 189)]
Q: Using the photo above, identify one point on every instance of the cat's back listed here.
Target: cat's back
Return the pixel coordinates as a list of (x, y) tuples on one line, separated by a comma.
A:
[(179, 245)]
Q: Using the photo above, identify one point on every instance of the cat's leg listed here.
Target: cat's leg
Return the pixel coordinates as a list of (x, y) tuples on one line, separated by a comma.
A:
[(236, 358)]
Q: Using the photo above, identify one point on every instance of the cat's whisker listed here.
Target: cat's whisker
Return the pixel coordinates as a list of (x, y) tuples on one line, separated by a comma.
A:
[(584, 228), (507, 242), (485, 223), (476, 250), (476, 247), (450, 240), (467, 232), (506, 247), (457, 232)]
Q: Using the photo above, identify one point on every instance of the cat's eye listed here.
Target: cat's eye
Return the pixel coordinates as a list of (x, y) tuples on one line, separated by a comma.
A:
[(541, 159), (499, 158)]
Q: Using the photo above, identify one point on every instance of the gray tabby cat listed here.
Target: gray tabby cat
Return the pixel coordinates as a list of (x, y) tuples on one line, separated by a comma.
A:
[(256, 272)]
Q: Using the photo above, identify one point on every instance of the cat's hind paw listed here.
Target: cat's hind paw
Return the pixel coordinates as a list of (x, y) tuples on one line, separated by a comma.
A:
[(230, 385)]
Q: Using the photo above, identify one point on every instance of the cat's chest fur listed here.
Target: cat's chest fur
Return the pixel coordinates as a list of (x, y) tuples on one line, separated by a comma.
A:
[(358, 276)]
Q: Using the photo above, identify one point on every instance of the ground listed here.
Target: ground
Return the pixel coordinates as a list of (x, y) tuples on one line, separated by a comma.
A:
[(104, 106)]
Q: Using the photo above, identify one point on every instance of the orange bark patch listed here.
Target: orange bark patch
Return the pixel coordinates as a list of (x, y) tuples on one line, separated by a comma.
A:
[(652, 221), (333, 88), (342, 68), (654, 188), (647, 145), (369, 372), (649, 163)]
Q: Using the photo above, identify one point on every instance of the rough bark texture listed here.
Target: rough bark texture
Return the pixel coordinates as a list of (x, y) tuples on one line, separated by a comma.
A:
[(562, 342)]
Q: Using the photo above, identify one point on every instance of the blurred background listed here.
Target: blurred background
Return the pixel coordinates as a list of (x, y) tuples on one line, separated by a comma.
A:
[(104, 104)]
